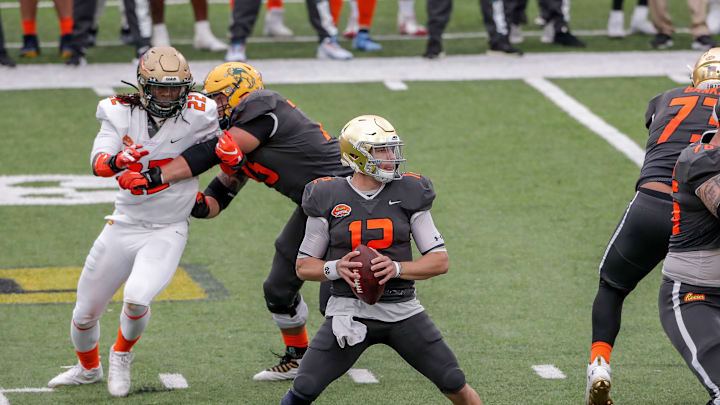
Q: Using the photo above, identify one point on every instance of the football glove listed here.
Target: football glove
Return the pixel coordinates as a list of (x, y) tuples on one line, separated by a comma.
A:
[(201, 208), (231, 157), (139, 183), (107, 165)]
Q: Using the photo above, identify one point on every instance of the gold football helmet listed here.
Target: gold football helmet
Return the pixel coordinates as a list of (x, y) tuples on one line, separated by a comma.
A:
[(706, 73), (360, 141), (233, 80), (164, 78)]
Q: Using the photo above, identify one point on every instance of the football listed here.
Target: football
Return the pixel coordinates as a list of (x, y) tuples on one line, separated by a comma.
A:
[(367, 287)]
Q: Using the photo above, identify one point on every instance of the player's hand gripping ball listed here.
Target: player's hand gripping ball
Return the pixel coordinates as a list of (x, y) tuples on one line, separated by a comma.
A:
[(367, 287)]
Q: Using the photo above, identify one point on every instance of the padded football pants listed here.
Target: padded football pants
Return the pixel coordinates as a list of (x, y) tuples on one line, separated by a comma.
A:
[(690, 316), (145, 259), (416, 339)]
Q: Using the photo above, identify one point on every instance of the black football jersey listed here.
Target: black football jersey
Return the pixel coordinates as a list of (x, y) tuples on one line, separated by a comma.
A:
[(293, 152), (381, 222), (674, 119), (694, 227)]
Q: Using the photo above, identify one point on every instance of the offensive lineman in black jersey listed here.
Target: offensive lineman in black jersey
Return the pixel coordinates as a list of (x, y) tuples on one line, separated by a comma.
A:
[(689, 298), (379, 206), (271, 141), (674, 119)]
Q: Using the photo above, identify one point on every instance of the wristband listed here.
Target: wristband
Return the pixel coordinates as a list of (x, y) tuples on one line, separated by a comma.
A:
[(330, 270), (398, 269)]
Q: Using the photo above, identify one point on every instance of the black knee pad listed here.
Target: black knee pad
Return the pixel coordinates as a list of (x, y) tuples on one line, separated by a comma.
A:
[(306, 387), (279, 300), (452, 381), (611, 288)]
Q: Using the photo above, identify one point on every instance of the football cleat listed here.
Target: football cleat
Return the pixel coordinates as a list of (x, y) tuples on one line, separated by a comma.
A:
[(597, 391), (566, 38), (363, 42), (662, 41), (119, 373), (548, 33), (5, 60), (516, 34), (31, 47), (126, 36), (65, 46), (204, 39), (713, 17), (503, 48), (77, 375), (639, 23), (702, 43), (285, 370), (274, 25), (160, 36), (409, 26), (615, 24), (236, 52), (330, 49)]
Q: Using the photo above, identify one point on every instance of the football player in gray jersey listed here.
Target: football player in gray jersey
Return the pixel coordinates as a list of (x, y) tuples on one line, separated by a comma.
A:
[(380, 206), (269, 140), (689, 299)]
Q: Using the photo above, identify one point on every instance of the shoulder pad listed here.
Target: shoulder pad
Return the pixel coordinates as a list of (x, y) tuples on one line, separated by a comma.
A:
[(419, 191), (198, 106), (257, 103), (316, 199), (111, 109), (698, 162)]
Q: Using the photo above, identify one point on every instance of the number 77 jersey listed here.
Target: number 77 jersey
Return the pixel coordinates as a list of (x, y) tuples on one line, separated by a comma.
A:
[(675, 119)]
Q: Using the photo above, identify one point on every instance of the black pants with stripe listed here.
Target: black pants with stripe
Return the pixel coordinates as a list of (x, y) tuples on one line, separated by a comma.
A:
[(639, 243), (690, 316), (416, 339)]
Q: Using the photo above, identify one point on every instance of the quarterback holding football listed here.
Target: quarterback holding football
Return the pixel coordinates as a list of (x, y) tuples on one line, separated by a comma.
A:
[(380, 206)]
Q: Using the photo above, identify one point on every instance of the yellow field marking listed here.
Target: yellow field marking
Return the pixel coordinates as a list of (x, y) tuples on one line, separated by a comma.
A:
[(44, 285)]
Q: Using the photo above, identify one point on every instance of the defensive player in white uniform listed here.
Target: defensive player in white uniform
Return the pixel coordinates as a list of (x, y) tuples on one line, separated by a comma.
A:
[(145, 236)]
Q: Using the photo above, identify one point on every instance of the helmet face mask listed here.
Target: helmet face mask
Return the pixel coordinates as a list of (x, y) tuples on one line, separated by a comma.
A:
[(228, 83), (164, 81), (370, 145), (706, 73)]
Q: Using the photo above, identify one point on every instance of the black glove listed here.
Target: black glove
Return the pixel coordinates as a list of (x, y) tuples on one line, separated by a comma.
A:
[(201, 209)]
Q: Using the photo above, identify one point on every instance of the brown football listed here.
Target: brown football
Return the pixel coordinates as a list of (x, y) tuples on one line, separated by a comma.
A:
[(367, 287)]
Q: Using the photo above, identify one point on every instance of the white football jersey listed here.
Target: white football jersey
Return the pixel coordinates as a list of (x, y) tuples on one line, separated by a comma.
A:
[(121, 126)]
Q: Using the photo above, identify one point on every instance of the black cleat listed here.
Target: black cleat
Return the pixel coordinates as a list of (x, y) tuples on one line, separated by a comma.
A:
[(566, 38), (503, 48), (31, 47), (661, 41), (6, 61)]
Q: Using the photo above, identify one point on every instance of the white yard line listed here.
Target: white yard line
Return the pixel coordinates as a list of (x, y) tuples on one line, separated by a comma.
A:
[(173, 381), (549, 371), (104, 91), (362, 376), (451, 68), (582, 114), (26, 390), (680, 79), (395, 85)]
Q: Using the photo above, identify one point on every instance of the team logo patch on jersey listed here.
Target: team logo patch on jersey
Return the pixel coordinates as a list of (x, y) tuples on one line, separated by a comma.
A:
[(689, 297), (341, 210)]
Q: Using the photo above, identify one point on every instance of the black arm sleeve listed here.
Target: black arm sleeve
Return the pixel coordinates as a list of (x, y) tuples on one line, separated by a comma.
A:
[(201, 157)]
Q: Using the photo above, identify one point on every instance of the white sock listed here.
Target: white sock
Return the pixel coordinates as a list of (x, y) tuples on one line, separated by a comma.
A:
[(202, 28), (84, 335), (133, 320), (406, 8)]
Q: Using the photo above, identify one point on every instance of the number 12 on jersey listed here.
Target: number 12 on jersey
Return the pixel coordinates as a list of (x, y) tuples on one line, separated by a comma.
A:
[(356, 228)]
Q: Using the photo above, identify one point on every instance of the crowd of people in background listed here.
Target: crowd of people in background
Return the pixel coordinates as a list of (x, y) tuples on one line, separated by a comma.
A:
[(143, 25)]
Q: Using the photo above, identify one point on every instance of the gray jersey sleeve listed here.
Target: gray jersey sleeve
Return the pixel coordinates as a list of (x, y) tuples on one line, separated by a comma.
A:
[(316, 240)]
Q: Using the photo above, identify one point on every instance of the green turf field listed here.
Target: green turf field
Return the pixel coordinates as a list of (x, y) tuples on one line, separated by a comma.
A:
[(527, 200)]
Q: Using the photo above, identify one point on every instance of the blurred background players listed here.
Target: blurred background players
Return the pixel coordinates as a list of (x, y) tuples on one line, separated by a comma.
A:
[(640, 240), (245, 14), (382, 207), (663, 23), (639, 22), (554, 16), (203, 37), (713, 18), (86, 13), (28, 14), (406, 21), (359, 23), (5, 59)]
